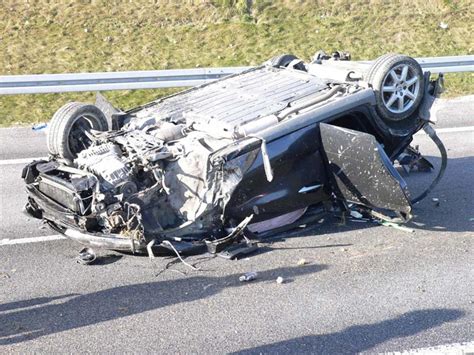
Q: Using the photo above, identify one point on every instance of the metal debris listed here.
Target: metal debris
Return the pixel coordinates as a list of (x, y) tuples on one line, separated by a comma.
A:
[(248, 276), (396, 226), (301, 262), (86, 256), (356, 214), (166, 242), (149, 249), (40, 126)]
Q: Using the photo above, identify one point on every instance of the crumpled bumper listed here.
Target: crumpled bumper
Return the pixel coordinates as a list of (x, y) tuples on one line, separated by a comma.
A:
[(64, 222), (106, 241)]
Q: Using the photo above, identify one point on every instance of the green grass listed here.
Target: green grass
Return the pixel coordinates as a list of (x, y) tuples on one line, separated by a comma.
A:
[(86, 36)]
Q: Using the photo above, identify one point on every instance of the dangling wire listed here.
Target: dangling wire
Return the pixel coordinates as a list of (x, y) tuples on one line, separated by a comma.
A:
[(179, 256), (444, 162)]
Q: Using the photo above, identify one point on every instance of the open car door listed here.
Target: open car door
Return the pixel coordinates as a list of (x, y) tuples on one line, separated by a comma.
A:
[(362, 171)]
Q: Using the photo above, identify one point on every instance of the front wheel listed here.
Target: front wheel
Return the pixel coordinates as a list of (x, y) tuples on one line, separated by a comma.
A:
[(68, 132)]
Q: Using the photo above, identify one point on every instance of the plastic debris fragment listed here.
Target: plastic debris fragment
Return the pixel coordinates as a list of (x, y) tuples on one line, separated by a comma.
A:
[(302, 262), (86, 256), (40, 126), (248, 276)]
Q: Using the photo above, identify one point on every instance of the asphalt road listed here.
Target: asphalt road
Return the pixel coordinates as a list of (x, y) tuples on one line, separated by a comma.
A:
[(366, 288)]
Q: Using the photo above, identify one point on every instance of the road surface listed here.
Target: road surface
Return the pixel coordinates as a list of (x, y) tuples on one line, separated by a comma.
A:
[(365, 288)]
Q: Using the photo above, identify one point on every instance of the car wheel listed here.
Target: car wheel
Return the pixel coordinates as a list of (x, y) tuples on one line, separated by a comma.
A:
[(67, 134), (397, 81), (284, 60)]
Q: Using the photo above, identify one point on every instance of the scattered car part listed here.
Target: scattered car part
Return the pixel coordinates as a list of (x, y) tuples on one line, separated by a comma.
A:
[(396, 226), (40, 126), (167, 242), (239, 250), (411, 159), (86, 256), (301, 262), (218, 245), (248, 276)]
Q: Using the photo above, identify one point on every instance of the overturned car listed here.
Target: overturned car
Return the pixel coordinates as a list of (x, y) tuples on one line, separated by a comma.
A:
[(218, 165)]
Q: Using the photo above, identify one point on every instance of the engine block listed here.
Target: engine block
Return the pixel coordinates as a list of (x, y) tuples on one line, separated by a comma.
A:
[(106, 161)]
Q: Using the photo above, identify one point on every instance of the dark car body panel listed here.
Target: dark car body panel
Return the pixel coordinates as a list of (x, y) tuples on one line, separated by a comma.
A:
[(296, 161)]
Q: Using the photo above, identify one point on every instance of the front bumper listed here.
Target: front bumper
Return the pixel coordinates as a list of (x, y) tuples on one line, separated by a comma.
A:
[(67, 223), (106, 241)]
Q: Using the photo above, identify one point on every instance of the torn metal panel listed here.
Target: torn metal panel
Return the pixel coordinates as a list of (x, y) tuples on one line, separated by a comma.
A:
[(362, 171), (296, 162)]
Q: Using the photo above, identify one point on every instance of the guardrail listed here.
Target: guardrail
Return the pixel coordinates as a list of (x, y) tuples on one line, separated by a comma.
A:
[(152, 79)]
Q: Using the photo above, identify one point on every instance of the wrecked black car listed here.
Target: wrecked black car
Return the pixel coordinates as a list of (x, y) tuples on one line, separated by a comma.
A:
[(236, 159)]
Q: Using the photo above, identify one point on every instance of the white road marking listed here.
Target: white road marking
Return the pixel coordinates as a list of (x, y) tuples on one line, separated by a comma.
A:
[(456, 129), (46, 238), (450, 130), (446, 349), (20, 161)]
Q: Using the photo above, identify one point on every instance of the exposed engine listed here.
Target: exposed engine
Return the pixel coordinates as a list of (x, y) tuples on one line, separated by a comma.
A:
[(106, 162), (138, 177), (130, 160)]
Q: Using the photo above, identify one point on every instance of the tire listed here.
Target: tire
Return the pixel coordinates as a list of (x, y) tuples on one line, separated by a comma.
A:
[(284, 60), (397, 81), (66, 137)]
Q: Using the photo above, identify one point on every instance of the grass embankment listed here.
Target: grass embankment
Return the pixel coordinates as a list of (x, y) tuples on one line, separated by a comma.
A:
[(100, 35)]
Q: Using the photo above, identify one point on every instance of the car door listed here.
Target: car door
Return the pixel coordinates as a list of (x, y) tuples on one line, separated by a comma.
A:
[(361, 171), (299, 178)]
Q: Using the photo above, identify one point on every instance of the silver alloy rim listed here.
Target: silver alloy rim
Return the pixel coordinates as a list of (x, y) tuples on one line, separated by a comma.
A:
[(400, 88)]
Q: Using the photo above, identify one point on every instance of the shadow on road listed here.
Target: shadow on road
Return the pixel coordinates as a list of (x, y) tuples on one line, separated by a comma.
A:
[(455, 193), (31, 303), (360, 338), (22, 324)]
